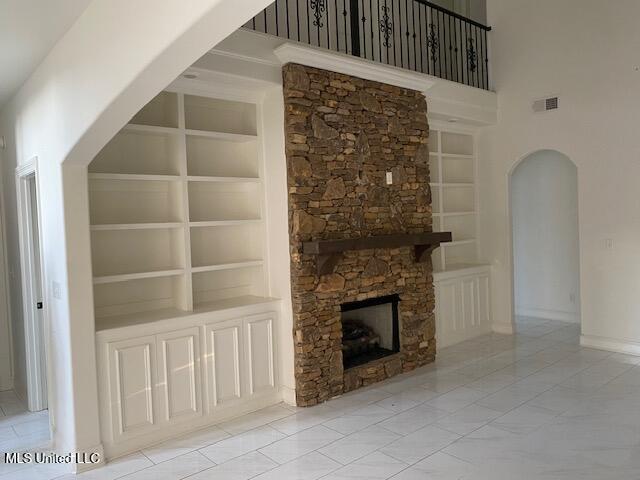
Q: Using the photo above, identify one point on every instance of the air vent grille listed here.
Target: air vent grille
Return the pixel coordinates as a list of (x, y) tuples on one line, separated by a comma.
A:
[(545, 104)]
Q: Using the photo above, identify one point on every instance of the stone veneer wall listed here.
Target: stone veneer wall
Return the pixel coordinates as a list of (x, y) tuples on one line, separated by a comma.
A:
[(342, 135)]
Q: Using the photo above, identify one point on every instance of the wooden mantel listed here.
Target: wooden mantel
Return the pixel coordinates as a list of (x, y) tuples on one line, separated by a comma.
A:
[(329, 252)]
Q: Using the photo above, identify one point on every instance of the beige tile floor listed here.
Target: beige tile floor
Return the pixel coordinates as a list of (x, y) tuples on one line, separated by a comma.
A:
[(531, 406)]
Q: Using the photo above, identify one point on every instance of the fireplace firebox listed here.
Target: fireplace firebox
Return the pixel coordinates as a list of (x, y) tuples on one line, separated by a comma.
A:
[(370, 330)]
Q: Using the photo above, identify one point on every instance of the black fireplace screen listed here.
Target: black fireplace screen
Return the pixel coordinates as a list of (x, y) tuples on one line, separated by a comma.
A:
[(369, 330)]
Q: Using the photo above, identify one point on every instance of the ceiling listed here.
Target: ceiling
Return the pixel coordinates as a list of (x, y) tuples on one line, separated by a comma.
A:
[(28, 31)]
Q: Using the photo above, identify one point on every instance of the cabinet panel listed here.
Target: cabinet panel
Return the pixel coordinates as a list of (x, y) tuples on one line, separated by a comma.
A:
[(446, 312), (469, 310), (484, 317), (462, 307), (179, 374), (132, 375), (224, 351), (260, 354)]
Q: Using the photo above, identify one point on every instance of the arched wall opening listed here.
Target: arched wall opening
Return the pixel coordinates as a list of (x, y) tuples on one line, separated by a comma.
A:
[(545, 237)]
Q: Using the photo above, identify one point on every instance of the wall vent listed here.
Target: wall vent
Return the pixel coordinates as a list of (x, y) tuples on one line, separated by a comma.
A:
[(545, 104)]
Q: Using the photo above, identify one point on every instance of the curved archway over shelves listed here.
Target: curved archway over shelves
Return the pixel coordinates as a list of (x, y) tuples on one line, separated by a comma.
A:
[(114, 59), (545, 237)]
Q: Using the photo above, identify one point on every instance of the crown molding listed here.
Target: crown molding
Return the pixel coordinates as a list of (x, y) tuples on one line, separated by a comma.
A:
[(357, 67)]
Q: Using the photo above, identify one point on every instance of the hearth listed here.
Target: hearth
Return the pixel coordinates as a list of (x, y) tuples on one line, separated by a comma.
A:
[(369, 330)]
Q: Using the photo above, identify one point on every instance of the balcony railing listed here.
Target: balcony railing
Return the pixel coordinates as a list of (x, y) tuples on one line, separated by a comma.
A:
[(412, 34)]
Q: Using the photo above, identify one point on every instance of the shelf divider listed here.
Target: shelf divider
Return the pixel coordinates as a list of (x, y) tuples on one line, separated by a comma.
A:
[(137, 276)]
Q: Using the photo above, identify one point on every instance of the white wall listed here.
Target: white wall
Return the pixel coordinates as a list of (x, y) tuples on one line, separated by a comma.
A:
[(586, 51), (544, 213), (6, 360), (106, 67)]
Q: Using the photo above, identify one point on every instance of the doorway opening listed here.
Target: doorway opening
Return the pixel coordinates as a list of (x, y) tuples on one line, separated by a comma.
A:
[(545, 238), (31, 360)]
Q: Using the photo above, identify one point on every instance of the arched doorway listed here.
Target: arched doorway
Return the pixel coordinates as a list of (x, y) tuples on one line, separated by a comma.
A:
[(545, 238)]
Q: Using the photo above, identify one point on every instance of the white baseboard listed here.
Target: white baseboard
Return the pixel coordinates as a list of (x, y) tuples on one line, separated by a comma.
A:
[(547, 314), (6, 383), (610, 344), (115, 450), (85, 467), (503, 328), (288, 395)]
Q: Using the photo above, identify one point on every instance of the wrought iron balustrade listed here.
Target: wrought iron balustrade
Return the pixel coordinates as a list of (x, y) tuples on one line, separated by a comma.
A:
[(412, 34)]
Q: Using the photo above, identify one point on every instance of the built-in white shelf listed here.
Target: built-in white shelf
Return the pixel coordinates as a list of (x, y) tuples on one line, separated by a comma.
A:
[(137, 276), (453, 190), (176, 206), (133, 127), (454, 185), (230, 137), (224, 223), (134, 177), (193, 178), (140, 318), (455, 214), (459, 242), (228, 266), (136, 226)]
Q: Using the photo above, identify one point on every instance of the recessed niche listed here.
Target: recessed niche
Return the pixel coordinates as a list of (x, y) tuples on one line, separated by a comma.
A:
[(456, 143), (220, 285), (211, 201), (132, 152), (457, 170), (225, 244), (220, 158), (458, 199), (162, 111), (433, 140), (215, 115), (136, 296), (462, 227), (134, 201), (118, 252)]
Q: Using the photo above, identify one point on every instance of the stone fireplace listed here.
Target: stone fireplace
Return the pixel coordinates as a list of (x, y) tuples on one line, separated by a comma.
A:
[(345, 137)]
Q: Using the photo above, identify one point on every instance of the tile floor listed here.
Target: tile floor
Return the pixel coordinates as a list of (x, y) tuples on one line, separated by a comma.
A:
[(531, 406)]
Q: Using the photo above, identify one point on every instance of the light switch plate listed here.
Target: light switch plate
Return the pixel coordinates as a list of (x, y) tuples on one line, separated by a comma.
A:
[(389, 178)]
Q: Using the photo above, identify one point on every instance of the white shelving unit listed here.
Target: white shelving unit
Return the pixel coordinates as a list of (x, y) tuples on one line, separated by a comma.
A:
[(453, 173), (462, 282), (176, 205)]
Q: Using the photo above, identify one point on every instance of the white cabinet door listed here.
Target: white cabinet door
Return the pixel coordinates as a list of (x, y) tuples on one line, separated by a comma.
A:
[(462, 308), (260, 355), (484, 315), (447, 313), (132, 378), (179, 376), (469, 306), (224, 354)]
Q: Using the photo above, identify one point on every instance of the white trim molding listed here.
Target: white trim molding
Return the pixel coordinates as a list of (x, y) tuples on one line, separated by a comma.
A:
[(288, 395), (350, 65), (502, 328), (610, 344), (36, 333)]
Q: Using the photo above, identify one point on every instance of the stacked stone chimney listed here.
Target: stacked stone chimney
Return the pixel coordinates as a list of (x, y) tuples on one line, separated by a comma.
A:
[(343, 134)]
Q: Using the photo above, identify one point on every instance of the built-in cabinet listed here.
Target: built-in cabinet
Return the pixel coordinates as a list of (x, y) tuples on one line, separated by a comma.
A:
[(156, 385), (461, 280), (185, 327), (462, 305)]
